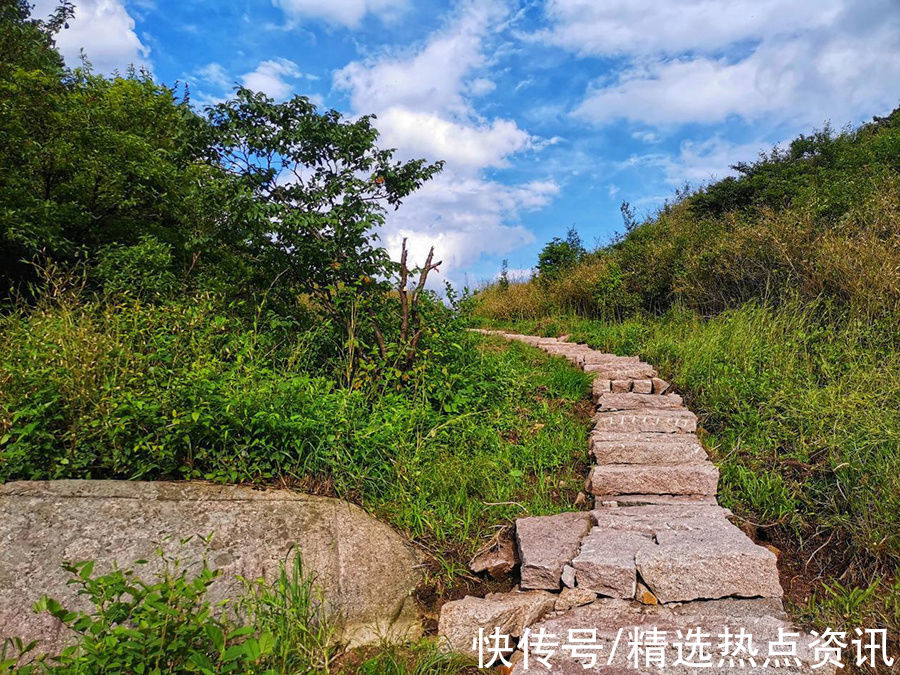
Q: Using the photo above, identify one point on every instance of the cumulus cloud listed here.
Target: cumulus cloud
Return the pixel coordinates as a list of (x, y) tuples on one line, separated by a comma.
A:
[(465, 218), (271, 77), (104, 30), (348, 13), (430, 77), (704, 61), (616, 27), (423, 99), (472, 145)]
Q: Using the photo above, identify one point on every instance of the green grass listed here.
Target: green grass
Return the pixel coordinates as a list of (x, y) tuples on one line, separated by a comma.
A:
[(482, 432), (798, 406)]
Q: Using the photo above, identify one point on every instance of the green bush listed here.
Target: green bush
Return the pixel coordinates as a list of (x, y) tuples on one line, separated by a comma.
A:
[(819, 219), (167, 625), (143, 270)]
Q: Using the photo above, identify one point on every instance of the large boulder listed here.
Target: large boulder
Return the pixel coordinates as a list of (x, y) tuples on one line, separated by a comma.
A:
[(366, 571)]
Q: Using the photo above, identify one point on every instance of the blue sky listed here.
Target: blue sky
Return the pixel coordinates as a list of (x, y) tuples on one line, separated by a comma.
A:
[(548, 113)]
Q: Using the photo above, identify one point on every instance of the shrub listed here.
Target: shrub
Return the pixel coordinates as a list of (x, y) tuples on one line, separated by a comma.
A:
[(167, 625), (143, 270)]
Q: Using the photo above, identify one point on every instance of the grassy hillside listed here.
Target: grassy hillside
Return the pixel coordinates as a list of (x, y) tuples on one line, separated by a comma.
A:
[(772, 301)]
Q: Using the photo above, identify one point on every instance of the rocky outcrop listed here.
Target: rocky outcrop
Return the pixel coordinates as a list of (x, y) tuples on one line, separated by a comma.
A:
[(366, 570)]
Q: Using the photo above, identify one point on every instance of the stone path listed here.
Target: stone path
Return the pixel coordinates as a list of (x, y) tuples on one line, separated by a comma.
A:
[(657, 552)]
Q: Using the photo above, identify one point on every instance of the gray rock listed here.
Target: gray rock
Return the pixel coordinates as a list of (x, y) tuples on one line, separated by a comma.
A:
[(366, 570), (499, 561), (681, 449), (546, 544), (510, 612), (599, 358), (708, 564), (666, 420), (660, 386), (620, 386), (650, 520), (645, 448), (605, 563), (760, 618), (634, 371), (599, 388), (568, 576), (659, 500), (638, 401), (700, 478)]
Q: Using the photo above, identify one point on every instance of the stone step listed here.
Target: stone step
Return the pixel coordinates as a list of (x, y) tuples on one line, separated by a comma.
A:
[(600, 358), (547, 544), (698, 478), (708, 564), (672, 420), (605, 563), (638, 401), (658, 500), (616, 620), (633, 371), (645, 448), (510, 612), (696, 553)]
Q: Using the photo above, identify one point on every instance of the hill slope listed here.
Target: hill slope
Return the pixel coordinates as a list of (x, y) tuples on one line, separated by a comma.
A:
[(772, 301)]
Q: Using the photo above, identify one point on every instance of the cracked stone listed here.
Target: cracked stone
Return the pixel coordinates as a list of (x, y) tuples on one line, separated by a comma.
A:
[(546, 544), (649, 420)]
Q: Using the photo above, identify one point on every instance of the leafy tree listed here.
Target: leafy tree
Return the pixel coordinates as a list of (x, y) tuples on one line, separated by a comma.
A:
[(560, 255), (321, 188), (28, 43), (503, 281)]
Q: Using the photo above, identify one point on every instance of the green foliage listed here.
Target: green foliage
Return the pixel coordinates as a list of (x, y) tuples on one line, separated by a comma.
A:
[(560, 255), (186, 388), (143, 270), (321, 187), (167, 625), (87, 162), (818, 219)]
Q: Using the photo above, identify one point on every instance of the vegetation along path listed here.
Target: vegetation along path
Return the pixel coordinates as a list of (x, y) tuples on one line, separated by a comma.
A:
[(656, 552)]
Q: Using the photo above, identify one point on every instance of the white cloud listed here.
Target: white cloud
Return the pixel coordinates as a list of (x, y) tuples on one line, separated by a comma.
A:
[(481, 86), (473, 145), (703, 61), (465, 218), (214, 74), (104, 29), (698, 162), (516, 274), (615, 27), (646, 136), (270, 77), (423, 99), (349, 13), (429, 78)]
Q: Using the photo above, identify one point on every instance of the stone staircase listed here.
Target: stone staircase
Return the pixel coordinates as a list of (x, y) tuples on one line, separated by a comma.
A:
[(656, 552)]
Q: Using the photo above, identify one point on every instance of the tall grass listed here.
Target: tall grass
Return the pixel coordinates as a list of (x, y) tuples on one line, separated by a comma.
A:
[(113, 388)]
